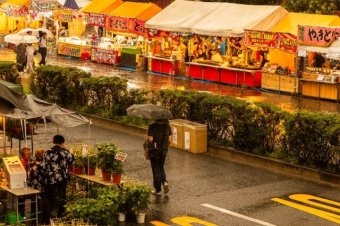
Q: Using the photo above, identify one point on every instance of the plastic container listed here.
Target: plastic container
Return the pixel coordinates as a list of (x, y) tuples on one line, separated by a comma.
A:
[(11, 218), (195, 137)]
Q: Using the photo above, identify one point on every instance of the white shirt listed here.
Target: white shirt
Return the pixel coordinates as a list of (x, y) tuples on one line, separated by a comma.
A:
[(43, 42)]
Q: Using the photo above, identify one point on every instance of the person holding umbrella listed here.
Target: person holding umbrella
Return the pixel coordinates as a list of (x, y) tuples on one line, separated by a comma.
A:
[(43, 48), (159, 134)]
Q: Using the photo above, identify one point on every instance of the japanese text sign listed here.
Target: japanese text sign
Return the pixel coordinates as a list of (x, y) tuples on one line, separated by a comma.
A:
[(118, 24), (287, 42), (261, 38), (95, 19), (317, 36)]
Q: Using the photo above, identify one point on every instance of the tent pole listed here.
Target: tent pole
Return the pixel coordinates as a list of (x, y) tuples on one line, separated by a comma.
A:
[(4, 134), (25, 134)]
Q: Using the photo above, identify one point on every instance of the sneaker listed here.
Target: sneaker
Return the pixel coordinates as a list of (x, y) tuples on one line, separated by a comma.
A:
[(157, 193), (166, 188)]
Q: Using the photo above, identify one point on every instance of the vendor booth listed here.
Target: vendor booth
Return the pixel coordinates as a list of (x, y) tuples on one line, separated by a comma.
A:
[(127, 21), (239, 66), (319, 48), (280, 73), (216, 51), (13, 16), (166, 53), (94, 14)]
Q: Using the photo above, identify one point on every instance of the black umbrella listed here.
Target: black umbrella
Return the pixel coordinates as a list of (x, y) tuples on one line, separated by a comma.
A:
[(149, 111)]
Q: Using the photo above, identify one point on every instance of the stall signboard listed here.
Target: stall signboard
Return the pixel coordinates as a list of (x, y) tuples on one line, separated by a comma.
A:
[(317, 36), (283, 41), (72, 50), (106, 56), (261, 38), (128, 25), (64, 15), (287, 42), (44, 5), (118, 24), (95, 19), (139, 27)]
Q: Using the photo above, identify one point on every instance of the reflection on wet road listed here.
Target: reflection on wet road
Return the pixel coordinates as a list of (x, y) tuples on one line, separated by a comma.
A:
[(155, 82)]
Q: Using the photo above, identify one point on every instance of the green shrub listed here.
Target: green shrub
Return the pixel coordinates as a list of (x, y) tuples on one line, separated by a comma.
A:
[(313, 139), (8, 71), (58, 84)]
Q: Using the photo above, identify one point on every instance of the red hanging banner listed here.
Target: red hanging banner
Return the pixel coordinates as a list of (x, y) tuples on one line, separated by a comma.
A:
[(95, 19), (287, 42), (261, 38), (118, 24)]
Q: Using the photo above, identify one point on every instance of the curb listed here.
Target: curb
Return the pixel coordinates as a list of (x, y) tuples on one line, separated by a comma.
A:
[(233, 155)]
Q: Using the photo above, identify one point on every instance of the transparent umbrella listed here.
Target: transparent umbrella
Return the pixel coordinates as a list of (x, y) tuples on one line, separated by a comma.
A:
[(26, 31), (149, 111), (44, 30), (14, 38), (30, 39)]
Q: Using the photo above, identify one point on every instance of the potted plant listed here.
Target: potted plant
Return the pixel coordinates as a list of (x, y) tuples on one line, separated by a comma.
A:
[(124, 205), (139, 196), (106, 159), (90, 162), (78, 163), (117, 171)]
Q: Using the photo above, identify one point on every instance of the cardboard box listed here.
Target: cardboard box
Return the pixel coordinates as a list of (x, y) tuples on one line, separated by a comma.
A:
[(195, 137)]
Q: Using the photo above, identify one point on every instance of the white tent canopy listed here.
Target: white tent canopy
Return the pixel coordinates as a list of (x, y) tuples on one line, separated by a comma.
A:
[(213, 18), (332, 51), (181, 15), (232, 19)]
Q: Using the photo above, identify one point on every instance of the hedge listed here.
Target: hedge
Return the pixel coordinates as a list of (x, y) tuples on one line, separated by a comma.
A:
[(8, 71), (308, 138)]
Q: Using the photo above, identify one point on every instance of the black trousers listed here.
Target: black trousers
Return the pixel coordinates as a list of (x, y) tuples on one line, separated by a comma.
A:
[(43, 53), (158, 171), (54, 201)]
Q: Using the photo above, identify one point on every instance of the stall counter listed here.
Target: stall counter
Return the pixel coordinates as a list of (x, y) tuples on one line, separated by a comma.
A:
[(72, 50), (280, 82), (105, 56), (228, 75), (315, 85), (163, 65)]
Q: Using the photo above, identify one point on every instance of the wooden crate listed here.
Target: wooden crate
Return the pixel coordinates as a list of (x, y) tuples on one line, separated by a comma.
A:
[(321, 90), (283, 83)]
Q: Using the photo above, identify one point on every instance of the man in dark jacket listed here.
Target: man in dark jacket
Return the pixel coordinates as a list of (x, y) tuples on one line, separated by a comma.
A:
[(21, 58), (159, 134), (54, 164)]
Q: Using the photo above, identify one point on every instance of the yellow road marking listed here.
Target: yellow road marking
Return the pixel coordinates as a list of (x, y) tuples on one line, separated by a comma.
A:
[(320, 213), (186, 221), (158, 223), (308, 199)]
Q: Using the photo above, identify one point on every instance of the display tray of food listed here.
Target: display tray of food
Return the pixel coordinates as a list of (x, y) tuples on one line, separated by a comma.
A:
[(215, 63)]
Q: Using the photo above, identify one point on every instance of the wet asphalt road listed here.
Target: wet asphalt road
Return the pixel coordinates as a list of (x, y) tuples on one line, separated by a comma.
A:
[(244, 193), (156, 82)]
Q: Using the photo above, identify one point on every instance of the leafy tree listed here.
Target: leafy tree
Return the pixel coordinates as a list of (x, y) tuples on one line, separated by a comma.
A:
[(312, 6)]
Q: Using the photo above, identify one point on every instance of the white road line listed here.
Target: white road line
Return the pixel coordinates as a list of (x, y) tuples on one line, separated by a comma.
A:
[(237, 215)]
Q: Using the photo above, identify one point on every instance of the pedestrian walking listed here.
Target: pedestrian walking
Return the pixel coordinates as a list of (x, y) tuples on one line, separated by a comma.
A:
[(20, 50), (43, 49), (30, 51), (159, 134), (54, 164)]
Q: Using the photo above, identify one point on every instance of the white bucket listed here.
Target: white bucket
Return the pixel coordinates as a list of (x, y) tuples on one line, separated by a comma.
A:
[(121, 217), (140, 218)]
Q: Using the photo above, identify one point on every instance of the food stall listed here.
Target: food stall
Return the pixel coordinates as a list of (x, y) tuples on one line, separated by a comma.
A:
[(168, 31), (127, 21), (13, 16), (94, 14), (319, 48), (280, 74), (216, 50), (239, 65)]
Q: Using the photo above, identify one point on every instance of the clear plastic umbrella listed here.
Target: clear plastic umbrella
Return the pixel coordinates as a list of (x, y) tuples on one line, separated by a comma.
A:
[(14, 38), (44, 30), (30, 39), (26, 31)]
